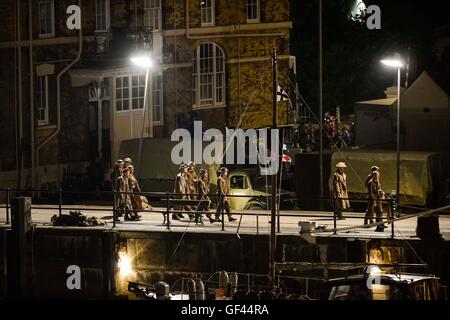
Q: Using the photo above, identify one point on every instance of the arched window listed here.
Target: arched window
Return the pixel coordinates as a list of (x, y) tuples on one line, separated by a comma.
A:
[(208, 81)]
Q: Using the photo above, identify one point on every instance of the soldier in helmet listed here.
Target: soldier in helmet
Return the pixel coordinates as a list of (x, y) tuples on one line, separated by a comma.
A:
[(223, 189), (127, 162), (202, 194), (180, 190), (192, 178), (375, 195), (369, 214), (340, 190), (134, 187), (122, 186), (116, 173), (369, 176)]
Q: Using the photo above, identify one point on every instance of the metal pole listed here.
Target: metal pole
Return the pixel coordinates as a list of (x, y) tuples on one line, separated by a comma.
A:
[(392, 217), (7, 205), (257, 223), (145, 102), (60, 201), (114, 209), (167, 211), (278, 215), (398, 136), (334, 215), (320, 107), (222, 200), (99, 123), (274, 176)]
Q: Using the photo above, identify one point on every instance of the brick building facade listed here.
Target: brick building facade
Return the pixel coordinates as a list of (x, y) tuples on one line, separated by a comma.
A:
[(211, 62)]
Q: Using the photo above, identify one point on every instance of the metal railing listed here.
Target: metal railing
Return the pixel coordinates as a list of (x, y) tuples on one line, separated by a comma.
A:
[(167, 198)]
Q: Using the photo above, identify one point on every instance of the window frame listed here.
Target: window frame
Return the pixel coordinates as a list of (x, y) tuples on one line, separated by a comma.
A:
[(149, 13), (198, 102), (52, 18), (107, 13), (258, 12), (160, 91), (131, 97), (212, 8), (42, 96)]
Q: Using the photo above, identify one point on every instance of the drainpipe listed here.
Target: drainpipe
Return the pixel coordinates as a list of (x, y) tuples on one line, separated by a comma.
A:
[(32, 127), (58, 92), (240, 35), (19, 67)]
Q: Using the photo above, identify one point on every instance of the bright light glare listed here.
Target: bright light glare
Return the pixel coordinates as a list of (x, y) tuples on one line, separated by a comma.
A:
[(142, 61), (392, 63), (125, 267)]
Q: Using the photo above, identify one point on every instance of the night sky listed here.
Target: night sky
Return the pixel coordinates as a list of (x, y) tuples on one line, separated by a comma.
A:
[(352, 71)]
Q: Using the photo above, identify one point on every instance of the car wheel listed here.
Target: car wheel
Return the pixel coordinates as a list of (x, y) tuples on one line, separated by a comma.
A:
[(255, 207)]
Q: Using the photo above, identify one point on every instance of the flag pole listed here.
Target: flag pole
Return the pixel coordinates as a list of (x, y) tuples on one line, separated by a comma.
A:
[(274, 176)]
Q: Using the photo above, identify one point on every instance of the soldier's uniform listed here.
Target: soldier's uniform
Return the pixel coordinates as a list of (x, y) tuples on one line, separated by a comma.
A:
[(366, 183), (123, 199), (340, 191), (375, 195), (134, 187), (180, 190), (223, 190), (116, 173), (191, 177), (202, 194)]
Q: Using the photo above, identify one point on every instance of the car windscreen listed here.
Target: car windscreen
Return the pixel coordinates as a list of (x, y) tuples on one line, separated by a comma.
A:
[(362, 292)]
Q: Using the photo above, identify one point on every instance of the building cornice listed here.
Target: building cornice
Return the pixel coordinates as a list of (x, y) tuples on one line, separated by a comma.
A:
[(213, 31), (230, 29)]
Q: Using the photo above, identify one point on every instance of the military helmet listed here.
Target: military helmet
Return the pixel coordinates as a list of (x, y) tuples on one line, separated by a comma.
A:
[(191, 163), (128, 160), (183, 166), (374, 168), (119, 161), (223, 169), (202, 171), (341, 165)]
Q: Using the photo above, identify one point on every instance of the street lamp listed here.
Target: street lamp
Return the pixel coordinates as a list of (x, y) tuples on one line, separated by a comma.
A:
[(396, 63), (143, 60)]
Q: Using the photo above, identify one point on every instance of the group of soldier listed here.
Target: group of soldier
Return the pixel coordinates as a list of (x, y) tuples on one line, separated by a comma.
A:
[(125, 184), (189, 186), (375, 195)]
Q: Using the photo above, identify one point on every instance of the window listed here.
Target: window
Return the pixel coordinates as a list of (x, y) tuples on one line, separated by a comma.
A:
[(102, 16), (238, 182), (46, 18), (207, 12), (152, 16), (42, 100), (253, 11), (208, 83), (130, 91)]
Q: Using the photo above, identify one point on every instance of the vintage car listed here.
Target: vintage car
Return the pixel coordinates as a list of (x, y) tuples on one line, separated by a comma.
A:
[(401, 286)]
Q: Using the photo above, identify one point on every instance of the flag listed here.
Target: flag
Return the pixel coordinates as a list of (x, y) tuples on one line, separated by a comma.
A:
[(286, 158), (281, 94)]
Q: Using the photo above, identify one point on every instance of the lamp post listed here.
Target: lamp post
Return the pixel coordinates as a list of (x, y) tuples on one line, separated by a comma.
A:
[(396, 63), (144, 61)]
